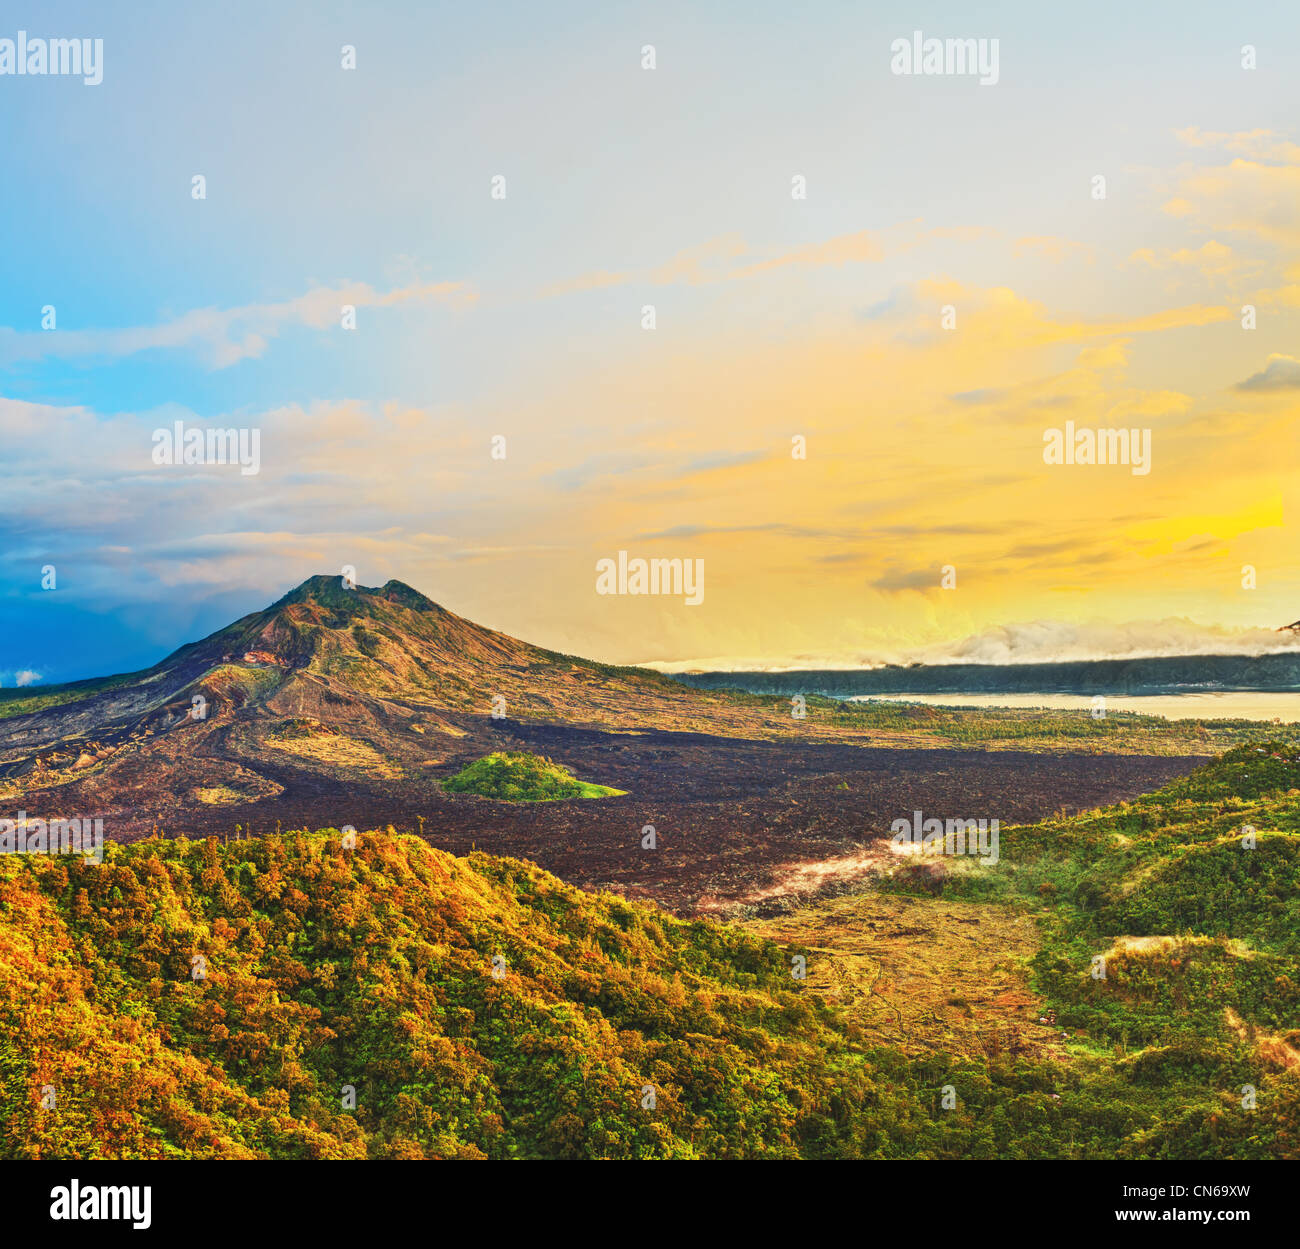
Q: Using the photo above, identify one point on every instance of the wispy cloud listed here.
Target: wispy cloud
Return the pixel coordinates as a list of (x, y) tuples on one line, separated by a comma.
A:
[(221, 337), (729, 258), (1212, 259), (1052, 247)]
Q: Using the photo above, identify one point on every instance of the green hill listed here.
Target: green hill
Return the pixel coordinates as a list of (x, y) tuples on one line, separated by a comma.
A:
[(517, 776), (478, 1007)]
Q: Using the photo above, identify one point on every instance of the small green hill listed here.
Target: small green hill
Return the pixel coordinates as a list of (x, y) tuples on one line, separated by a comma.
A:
[(517, 776)]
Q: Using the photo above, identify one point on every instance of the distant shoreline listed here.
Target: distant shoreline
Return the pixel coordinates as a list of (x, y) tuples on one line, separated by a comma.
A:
[(1164, 676)]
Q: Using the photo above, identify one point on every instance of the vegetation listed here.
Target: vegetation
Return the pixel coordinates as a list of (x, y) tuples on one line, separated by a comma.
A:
[(1042, 729), (24, 700), (1182, 1041), (313, 741), (241, 682), (517, 776), (194, 998), (189, 998)]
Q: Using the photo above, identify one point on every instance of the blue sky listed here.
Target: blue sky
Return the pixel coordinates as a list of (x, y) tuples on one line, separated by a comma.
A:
[(522, 316)]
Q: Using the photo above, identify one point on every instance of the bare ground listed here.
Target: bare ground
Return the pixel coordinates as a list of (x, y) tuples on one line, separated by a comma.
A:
[(739, 824)]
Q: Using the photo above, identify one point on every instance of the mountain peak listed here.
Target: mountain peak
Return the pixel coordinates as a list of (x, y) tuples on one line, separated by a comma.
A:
[(330, 591), (399, 592), (322, 588)]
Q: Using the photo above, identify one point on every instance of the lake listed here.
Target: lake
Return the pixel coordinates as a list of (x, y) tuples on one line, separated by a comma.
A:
[(1229, 705)]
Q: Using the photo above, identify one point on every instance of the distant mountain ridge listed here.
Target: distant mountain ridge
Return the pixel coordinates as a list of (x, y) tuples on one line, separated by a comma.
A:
[(1163, 675)]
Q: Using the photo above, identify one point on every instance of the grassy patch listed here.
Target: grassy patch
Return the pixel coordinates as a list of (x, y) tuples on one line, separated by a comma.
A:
[(517, 776), (920, 974), (310, 740), (25, 700), (218, 796), (242, 682)]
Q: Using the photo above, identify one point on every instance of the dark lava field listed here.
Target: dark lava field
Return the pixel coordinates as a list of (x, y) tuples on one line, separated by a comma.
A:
[(736, 822)]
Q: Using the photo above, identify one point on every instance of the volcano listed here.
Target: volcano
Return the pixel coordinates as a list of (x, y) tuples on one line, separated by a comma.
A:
[(333, 689), (342, 706)]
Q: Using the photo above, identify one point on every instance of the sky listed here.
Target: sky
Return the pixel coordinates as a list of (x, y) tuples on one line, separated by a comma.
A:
[(910, 278)]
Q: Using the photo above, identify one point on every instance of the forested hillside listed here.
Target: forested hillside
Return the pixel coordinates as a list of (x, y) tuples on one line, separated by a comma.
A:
[(205, 999)]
